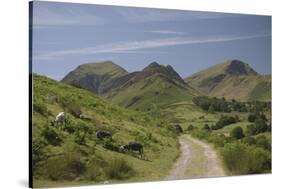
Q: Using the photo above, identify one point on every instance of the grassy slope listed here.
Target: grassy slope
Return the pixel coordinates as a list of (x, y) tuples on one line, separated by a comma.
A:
[(240, 87), (153, 92), (101, 68), (160, 150)]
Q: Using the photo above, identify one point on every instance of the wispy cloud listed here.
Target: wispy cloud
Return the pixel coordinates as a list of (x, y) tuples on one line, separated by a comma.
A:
[(166, 32), (137, 15), (51, 16), (134, 46)]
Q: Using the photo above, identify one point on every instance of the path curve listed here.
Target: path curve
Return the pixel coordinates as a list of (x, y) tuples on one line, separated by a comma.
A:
[(210, 166)]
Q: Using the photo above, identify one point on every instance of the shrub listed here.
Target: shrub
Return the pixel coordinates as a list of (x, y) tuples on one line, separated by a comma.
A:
[(206, 127), (51, 136), (249, 140), (236, 157), (225, 120), (190, 127), (71, 106), (66, 167), (251, 130), (118, 168), (219, 140), (237, 133), (108, 144), (94, 169), (40, 107), (240, 158), (263, 142), (260, 125), (251, 118)]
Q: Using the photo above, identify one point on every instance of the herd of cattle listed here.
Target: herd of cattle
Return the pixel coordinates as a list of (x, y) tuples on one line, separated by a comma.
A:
[(101, 134)]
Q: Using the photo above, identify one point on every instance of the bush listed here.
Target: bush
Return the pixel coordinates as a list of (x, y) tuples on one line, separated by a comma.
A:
[(225, 120), (251, 130), (249, 140), (94, 169), (71, 106), (206, 127), (66, 167), (51, 136), (108, 144), (240, 158), (260, 125), (237, 133), (251, 118), (118, 168), (263, 142), (219, 140), (40, 107)]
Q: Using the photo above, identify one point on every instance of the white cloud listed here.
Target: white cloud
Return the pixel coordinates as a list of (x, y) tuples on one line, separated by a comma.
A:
[(166, 32), (159, 15), (134, 46), (45, 17)]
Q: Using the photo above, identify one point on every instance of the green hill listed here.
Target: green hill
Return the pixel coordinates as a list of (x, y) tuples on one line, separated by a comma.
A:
[(232, 80), (152, 88), (71, 155), (96, 77)]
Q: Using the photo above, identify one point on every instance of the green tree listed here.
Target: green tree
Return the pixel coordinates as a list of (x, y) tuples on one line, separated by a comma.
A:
[(237, 133), (260, 125)]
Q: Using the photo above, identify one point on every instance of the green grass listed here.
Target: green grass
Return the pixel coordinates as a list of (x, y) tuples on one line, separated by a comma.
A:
[(160, 143), (227, 129), (151, 93), (215, 81)]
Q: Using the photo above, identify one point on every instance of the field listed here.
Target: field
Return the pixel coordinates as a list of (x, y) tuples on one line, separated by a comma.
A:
[(86, 159)]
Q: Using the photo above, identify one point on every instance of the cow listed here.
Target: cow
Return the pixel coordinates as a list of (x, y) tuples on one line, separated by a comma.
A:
[(103, 134), (60, 118), (132, 146)]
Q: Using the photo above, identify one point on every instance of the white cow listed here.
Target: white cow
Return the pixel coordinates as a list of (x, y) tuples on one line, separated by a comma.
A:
[(60, 118)]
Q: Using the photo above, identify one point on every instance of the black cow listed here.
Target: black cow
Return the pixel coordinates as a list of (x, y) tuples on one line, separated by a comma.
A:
[(132, 146), (103, 134)]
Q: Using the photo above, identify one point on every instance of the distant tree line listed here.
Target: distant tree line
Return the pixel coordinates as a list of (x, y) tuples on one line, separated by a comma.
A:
[(214, 104)]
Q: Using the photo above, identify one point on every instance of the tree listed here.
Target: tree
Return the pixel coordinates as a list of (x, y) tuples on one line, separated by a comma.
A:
[(251, 118), (237, 133), (260, 125)]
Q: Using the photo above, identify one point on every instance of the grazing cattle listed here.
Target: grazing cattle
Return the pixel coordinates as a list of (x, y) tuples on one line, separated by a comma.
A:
[(132, 146), (60, 118), (103, 134)]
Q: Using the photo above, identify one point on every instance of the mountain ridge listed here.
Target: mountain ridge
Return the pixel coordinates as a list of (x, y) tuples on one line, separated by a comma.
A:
[(233, 80)]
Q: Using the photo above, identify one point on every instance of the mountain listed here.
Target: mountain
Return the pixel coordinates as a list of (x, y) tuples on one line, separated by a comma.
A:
[(70, 151), (97, 77), (233, 80), (155, 86)]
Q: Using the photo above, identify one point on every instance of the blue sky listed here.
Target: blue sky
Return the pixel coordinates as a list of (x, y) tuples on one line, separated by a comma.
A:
[(66, 35)]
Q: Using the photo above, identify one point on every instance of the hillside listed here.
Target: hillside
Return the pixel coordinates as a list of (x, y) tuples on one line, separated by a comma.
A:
[(96, 77), (70, 154), (232, 80), (153, 87)]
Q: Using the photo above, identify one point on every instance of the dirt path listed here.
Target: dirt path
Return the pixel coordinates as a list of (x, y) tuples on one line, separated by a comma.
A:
[(197, 160)]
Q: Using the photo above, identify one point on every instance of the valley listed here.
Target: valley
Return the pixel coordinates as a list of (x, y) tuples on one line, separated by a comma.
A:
[(189, 128)]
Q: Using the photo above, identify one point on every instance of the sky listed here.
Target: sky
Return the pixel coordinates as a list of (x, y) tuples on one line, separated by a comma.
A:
[(66, 35)]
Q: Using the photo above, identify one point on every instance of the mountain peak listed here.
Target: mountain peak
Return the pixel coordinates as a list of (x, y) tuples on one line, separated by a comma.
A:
[(237, 67), (95, 76)]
